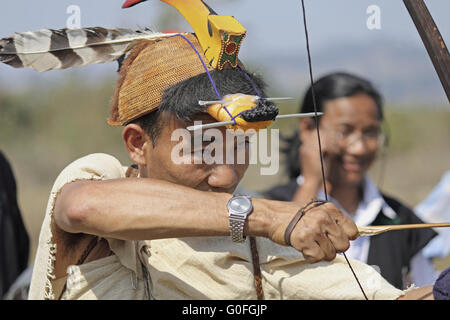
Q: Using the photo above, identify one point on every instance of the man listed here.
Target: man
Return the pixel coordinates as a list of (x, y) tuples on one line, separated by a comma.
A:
[(173, 230), (165, 233)]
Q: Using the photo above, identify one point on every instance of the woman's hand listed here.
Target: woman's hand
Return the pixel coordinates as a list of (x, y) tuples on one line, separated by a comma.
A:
[(310, 164)]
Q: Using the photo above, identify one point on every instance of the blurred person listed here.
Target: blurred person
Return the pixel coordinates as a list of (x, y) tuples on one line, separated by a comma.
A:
[(14, 240), (19, 289), (351, 137)]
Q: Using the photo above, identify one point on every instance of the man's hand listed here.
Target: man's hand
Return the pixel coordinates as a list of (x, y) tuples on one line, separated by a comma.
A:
[(322, 232)]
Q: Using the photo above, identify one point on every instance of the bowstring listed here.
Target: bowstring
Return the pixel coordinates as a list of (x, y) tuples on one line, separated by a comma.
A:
[(318, 133)]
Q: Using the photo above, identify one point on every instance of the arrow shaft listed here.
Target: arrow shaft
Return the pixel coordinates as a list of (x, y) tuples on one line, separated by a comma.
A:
[(374, 230)]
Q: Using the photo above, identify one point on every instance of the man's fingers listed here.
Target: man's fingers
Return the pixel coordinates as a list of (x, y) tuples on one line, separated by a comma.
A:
[(312, 237), (312, 252), (340, 243), (349, 227), (328, 249), (343, 221), (325, 225), (322, 232), (336, 236)]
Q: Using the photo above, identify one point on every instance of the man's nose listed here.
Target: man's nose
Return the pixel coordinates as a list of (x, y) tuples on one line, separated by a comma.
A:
[(223, 176)]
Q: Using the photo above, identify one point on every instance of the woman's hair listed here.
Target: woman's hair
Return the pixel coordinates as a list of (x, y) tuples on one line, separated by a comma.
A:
[(330, 87)]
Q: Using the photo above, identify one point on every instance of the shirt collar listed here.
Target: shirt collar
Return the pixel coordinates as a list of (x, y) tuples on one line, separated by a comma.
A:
[(368, 208)]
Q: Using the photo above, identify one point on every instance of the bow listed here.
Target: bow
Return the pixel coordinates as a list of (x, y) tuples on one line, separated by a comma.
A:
[(432, 40)]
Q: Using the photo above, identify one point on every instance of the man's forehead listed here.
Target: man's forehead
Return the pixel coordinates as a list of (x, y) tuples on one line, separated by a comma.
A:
[(203, 117), (173, 122)]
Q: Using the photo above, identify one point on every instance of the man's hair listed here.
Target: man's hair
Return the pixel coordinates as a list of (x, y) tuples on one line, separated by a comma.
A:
[(182, 98), (330, 87)]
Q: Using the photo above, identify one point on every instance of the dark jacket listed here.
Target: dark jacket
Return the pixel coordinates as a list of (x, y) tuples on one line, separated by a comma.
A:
[(391, 251)]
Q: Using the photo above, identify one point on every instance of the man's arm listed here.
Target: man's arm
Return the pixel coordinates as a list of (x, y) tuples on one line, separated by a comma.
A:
[(136, 209), (424, 293), (143, 208)]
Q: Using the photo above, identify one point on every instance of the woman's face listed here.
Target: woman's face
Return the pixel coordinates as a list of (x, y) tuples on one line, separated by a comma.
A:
[(352, 130)]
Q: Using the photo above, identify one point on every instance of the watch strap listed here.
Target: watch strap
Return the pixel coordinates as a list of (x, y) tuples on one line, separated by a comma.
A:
[(237, 229)]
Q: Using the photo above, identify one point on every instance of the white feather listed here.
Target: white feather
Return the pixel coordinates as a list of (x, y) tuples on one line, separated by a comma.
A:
[(48, 49)]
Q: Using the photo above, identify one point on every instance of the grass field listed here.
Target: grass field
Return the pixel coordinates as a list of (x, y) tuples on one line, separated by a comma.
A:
[(44, 129)]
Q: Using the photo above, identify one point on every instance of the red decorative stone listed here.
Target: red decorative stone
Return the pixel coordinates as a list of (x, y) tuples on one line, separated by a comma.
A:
[(230, 48)]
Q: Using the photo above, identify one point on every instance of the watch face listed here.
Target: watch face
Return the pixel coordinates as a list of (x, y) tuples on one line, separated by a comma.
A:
[(240, 204)]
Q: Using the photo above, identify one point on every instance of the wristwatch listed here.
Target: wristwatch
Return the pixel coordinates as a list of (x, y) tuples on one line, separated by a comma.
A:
[(239, 207)]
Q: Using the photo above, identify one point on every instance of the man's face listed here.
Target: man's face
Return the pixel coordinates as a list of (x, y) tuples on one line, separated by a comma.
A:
[(222, 176)]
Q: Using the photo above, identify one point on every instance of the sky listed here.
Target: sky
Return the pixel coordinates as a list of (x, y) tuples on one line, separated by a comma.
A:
[(274, 27)]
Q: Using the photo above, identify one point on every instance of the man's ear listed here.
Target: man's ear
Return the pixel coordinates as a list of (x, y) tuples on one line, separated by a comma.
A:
[(136, 141)]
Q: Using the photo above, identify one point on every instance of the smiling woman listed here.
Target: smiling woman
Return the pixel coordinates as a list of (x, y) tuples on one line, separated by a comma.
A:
[(351, 137), (351, 130)]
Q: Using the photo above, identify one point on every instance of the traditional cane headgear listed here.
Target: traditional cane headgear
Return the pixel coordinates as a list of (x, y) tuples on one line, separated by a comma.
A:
[(149, 70)]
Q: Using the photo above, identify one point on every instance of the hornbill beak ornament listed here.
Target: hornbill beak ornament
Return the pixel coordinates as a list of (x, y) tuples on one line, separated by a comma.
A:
[(131, 3)]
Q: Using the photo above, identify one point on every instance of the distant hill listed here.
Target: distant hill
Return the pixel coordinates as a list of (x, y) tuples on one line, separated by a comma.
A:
[(403, 72)]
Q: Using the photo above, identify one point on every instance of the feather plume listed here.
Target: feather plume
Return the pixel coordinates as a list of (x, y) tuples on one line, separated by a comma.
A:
[(49, 49)]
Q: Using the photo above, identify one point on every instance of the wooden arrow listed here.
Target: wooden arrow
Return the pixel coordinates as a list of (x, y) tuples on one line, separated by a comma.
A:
[(374, 230)]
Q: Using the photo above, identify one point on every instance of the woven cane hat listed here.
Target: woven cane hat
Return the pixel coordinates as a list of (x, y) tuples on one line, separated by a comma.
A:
[(150, 69)]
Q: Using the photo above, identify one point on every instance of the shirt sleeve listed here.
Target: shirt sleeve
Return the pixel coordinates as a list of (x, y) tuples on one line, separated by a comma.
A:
[(97, 166)]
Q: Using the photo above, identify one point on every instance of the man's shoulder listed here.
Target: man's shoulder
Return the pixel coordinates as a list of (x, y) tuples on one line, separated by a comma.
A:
[(96, 166), (98, 163), (97, 159)]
